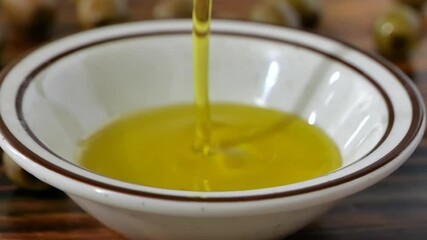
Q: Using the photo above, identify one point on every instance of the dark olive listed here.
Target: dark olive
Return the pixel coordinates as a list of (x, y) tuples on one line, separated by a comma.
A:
[(275, 12), (96, 13), (417, 4), (20, 177), (173, 9), (33, 18), (397, 31), (308, 10)]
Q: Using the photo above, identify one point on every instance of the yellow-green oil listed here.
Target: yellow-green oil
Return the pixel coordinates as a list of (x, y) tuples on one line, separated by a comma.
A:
[(202, 10), (251, 148), (204, 147)]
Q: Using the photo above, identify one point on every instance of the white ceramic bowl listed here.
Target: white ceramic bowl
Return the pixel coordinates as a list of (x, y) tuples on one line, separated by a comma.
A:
[(63, 92)]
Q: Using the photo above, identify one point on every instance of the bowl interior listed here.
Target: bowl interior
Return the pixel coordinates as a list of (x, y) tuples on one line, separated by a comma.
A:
[(66, 99)]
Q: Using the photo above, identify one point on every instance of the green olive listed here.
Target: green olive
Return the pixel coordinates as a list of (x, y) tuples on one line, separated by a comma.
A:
[(20, 177), (397, 32), (275, 12), (96, 13), (308, 10), (417, 4), (33, 18), (173, 9)]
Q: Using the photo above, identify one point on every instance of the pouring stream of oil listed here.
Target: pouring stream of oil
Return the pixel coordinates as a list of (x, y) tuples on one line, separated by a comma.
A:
[(202, 10)]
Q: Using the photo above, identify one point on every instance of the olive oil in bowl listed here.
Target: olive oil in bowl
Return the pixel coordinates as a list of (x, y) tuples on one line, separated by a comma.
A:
[(251, 148)]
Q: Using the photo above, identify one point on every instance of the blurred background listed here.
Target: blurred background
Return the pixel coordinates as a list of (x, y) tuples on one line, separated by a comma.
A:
[(396, 208)]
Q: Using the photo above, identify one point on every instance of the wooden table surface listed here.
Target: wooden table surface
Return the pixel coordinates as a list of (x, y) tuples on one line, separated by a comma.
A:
[(395, 208)]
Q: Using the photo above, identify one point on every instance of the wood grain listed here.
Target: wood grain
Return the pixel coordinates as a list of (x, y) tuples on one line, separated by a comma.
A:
[(395, 208)]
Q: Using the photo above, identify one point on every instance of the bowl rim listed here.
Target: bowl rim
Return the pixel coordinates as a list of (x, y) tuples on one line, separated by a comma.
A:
[(418, 114)]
